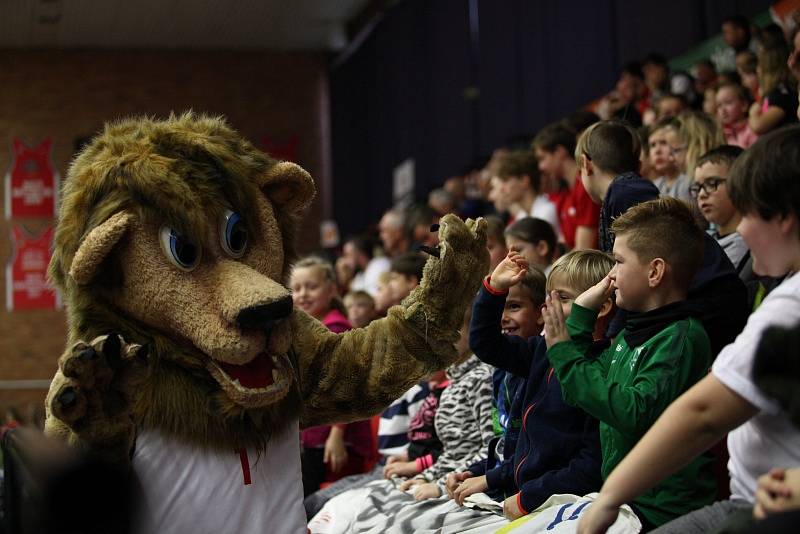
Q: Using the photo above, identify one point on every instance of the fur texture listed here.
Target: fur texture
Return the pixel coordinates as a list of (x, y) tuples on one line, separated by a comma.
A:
[(227, 316)]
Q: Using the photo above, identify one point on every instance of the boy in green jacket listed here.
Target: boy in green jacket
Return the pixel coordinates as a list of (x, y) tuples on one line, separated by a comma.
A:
[(662, 351)]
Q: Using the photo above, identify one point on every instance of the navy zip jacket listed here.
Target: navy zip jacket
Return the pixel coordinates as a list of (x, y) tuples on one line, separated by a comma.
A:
[(512, 390), (558, 450)]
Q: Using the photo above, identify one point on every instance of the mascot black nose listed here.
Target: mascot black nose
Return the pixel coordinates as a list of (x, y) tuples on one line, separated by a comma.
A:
[(264, 316)]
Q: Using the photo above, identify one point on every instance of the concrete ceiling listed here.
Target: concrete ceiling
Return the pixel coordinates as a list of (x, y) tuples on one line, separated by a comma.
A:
[(177, 24)]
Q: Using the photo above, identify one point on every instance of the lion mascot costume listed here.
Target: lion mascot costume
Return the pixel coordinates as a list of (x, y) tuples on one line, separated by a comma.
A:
[(187, 362)]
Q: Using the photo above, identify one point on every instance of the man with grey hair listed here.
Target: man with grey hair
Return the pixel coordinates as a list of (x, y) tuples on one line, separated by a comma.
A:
[(393, 233), (441, 201)]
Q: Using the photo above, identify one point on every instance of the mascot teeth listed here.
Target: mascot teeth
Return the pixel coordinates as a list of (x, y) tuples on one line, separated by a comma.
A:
[(254, 386)]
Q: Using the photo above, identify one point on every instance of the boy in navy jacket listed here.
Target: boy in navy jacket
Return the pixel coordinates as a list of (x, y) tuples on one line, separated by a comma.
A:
[(558, 449)]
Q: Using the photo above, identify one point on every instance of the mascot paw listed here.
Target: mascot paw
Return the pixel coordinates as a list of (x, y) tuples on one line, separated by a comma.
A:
[(97, 387), (453, 275)]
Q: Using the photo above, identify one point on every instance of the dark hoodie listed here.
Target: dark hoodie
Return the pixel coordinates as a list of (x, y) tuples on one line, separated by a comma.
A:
[(558, 450)]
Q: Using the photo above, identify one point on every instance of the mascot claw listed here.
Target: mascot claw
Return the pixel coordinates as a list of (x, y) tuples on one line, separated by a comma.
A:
[(99, 381)]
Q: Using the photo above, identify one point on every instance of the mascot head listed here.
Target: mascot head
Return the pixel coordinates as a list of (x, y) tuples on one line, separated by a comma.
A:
[(178, 233)]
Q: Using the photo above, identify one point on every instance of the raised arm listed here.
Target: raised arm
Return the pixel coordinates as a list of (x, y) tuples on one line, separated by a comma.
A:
[(355, 374), (510, 353)]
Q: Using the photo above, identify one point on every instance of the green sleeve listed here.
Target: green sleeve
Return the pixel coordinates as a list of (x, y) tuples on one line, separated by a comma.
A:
[(636, 393), (575, 371), (580, 325)]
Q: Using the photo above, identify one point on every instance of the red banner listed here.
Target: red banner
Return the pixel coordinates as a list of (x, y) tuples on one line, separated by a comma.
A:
[(32, 184), (26, 274)]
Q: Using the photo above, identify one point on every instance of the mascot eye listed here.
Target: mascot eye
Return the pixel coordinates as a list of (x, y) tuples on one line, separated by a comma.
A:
[(233, 234), (179, 249)]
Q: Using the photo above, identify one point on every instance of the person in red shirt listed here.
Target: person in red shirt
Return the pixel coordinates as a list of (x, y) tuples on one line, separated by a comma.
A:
[(578, 216)]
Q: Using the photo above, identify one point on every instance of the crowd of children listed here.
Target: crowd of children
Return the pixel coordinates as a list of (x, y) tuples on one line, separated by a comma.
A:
[(638, 325)]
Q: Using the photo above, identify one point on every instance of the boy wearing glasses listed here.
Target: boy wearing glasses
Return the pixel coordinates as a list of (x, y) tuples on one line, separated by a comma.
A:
[(608, 155), (711, 194)]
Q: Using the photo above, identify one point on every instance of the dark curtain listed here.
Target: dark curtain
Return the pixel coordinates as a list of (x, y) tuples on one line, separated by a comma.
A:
[(420, 86)]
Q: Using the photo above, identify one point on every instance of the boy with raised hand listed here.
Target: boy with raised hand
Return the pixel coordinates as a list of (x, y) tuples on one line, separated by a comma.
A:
[(558, 449), (662, 350), (521, 317), (764, 188)]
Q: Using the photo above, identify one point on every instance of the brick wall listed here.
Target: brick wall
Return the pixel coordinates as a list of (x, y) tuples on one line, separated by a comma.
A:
[(67, 95)]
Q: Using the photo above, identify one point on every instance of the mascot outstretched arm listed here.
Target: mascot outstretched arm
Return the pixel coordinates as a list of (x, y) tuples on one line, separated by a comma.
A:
[(186, 359)]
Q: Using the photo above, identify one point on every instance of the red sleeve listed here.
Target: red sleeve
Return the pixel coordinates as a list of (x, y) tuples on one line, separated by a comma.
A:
[(490, 289), (519, 504), (587, 213), (424, 462)]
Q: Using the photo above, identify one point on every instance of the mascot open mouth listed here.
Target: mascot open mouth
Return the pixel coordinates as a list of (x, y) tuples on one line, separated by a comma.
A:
[(263, 380)]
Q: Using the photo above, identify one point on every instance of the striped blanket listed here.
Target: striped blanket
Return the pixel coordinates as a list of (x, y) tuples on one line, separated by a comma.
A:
[(379, 507)]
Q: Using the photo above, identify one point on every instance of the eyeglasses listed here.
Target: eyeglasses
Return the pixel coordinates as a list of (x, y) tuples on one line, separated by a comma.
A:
[(709, 185)]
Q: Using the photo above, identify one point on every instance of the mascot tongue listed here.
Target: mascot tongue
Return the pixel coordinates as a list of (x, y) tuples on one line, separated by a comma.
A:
[(254, 374)]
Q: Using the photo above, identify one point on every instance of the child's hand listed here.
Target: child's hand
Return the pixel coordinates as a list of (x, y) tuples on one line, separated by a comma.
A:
[(594, 297), (555, 325), (454, 480), (599, 517), (755, 110), (411, 482), (511, 509), (773, 494), (468, 487), (509, 271), (427, 491), (402, 457), (335, 454), (400, 469)]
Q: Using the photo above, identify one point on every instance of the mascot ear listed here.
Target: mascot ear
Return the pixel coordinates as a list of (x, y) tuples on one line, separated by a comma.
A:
[(289, 187), (96, 246)]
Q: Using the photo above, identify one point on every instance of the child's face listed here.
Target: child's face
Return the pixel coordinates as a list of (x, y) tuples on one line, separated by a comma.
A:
[(730, 108), (716, 206), (630, 277), (383, 298), (497, 251), (661, 153), (360, 311), (677, 149), (669, 107), (550, 163), (311, 291), (513, 188), (400, 286), (772, 243), (535, 253), (520, 316), (497, 195), (566, 293)]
